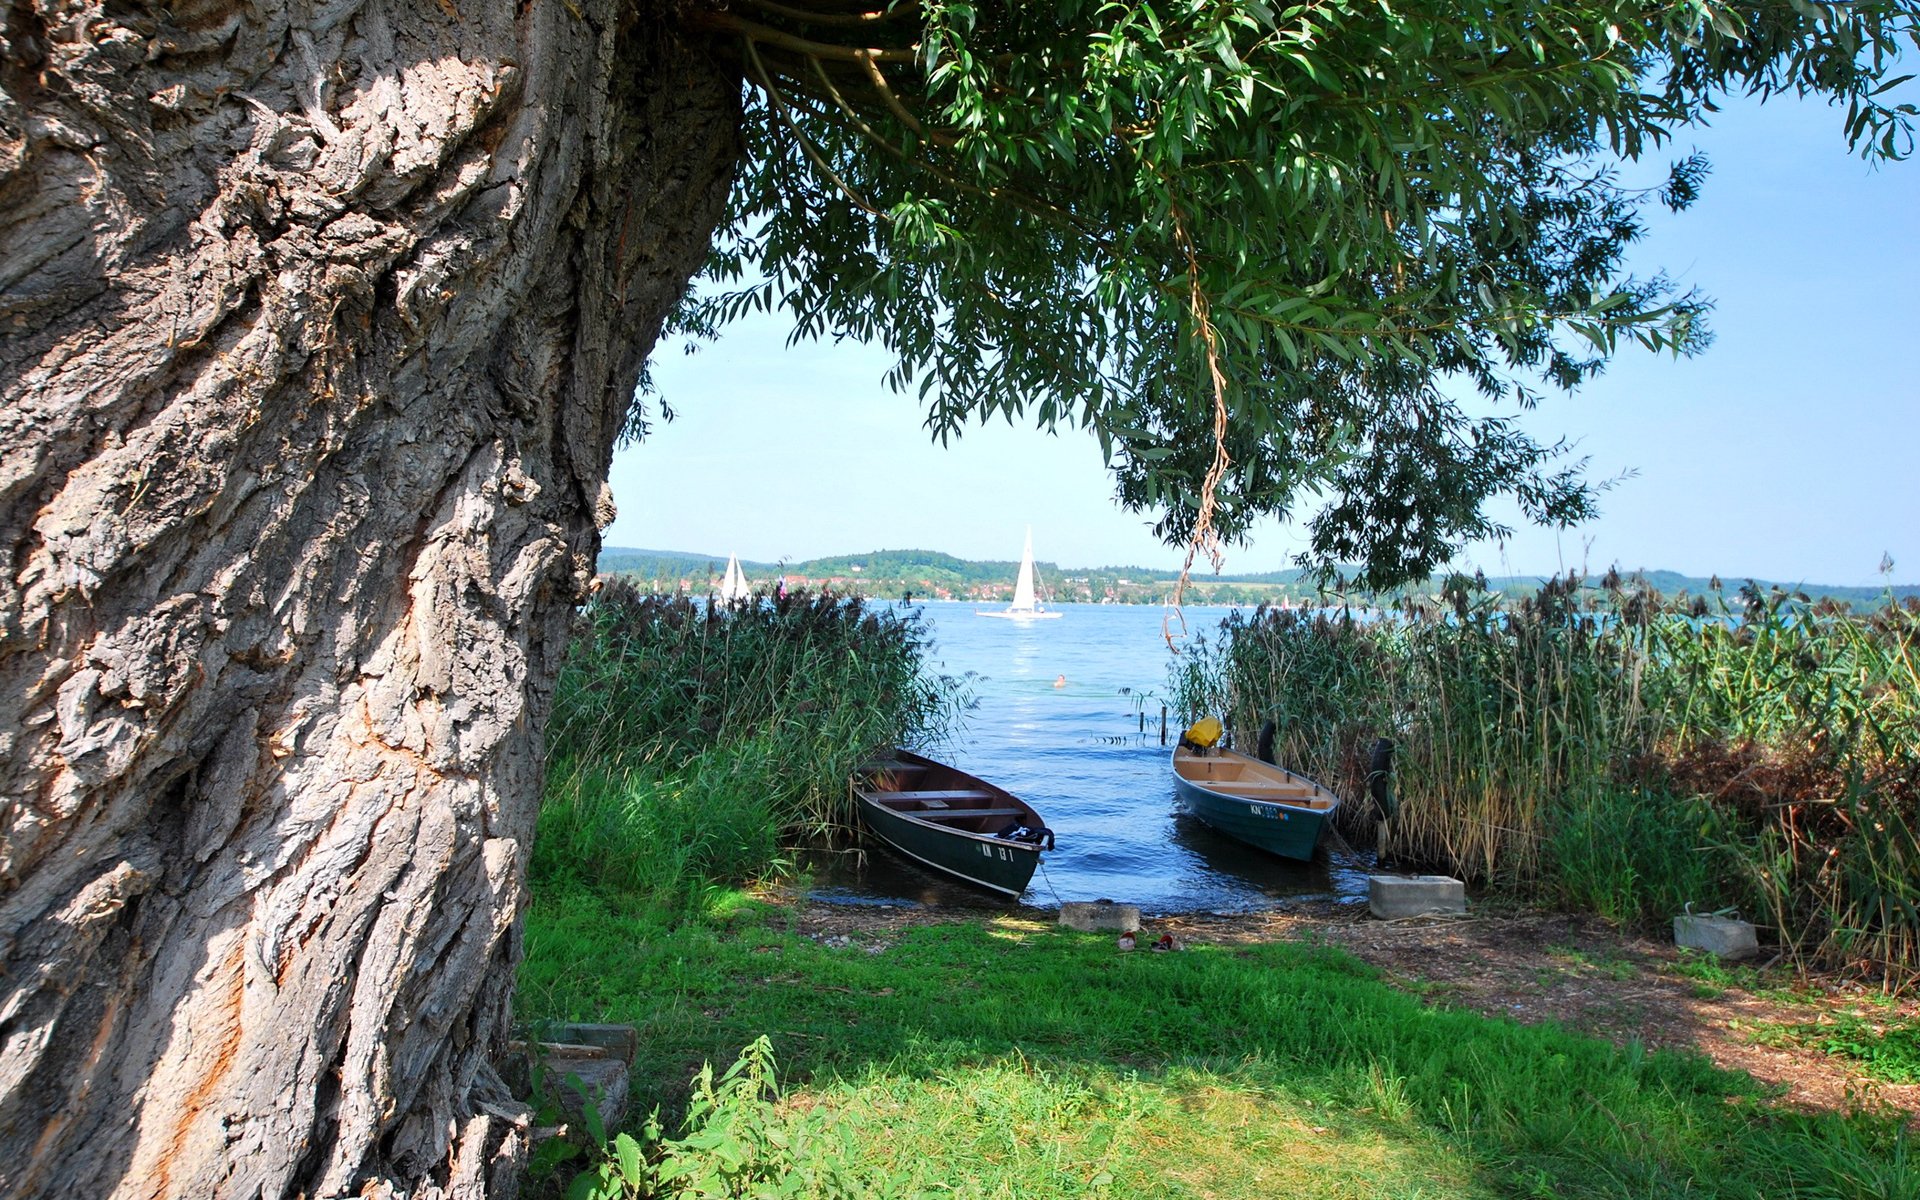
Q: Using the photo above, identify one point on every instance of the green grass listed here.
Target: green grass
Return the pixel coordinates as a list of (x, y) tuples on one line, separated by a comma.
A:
[(1612, 966), (1001, 1059), (1714, 978), (1886, 1050), (663, 837)]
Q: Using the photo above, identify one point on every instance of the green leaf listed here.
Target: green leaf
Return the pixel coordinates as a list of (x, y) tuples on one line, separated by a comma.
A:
[(594, 1183), (626, 1154)]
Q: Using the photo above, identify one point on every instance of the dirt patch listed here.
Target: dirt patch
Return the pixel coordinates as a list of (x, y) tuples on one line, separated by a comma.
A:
[(1527, 965)]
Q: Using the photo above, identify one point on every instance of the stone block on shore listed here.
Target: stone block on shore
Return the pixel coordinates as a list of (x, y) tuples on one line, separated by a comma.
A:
[(1393, 896), (1100, 916), (1722, 937)]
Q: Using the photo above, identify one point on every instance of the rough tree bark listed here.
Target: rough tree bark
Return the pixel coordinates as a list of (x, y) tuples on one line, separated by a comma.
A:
[(318, 319)]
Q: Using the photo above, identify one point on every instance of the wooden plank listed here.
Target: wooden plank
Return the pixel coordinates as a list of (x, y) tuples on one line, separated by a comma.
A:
[(954, 814), (1292, 785), (884, 765), (1305, 797), (948, 794)]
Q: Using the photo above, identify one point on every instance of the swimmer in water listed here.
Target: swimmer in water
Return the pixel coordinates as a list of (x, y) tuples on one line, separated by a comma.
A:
[(1060, 681)]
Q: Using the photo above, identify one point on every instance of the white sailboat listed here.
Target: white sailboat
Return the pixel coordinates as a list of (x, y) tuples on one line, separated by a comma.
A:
[(1025, 606), (734, 587)]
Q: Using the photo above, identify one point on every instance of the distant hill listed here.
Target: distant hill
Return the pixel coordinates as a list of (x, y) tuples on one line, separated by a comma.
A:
[(933, 574)]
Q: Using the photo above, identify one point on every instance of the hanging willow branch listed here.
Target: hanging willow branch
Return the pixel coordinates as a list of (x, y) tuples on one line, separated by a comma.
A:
[(1204, 537)]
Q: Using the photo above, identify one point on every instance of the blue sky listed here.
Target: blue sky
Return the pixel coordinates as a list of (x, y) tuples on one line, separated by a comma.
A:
[(1787, 451)]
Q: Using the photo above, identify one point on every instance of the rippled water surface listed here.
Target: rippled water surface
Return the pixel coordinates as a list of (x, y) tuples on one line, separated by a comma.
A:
[(1077, 754)]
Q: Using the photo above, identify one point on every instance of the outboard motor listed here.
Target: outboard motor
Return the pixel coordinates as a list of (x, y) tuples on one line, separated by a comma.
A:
[(1264, 747), (1033, 835)]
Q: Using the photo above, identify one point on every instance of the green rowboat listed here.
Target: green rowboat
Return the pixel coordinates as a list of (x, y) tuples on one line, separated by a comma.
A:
[(946, 819), (1257, 802)]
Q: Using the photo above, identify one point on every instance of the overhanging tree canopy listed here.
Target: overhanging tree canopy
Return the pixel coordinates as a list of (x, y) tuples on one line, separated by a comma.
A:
[(1248, 245)]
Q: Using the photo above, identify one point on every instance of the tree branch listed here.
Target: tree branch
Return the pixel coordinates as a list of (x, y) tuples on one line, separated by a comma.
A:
[(822, 18), (767, 34), (806, 147), (893, 101)]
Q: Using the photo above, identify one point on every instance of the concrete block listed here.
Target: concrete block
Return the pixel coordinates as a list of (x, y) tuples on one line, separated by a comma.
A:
[(597, 1055), (1391, 896), (1100, 916), (1723, 937), (618, 1041), (603, 1080)]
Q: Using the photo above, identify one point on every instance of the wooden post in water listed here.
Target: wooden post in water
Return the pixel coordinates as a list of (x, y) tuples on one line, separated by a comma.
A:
[(1163, 724)]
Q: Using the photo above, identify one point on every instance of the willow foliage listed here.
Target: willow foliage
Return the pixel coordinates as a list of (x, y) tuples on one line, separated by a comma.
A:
[(1250, 244)]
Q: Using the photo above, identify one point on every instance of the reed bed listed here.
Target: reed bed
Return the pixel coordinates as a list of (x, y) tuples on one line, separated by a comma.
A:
[(690, 740), (1616, 749)]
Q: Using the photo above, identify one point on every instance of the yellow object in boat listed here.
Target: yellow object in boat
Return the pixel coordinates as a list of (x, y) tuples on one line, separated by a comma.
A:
[(1204, 732)]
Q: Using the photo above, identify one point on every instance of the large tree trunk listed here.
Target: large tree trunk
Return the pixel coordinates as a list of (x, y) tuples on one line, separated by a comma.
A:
[(318, 319)]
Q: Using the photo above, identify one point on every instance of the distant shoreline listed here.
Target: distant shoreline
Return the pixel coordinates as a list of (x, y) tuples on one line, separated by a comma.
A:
[(933, 575)]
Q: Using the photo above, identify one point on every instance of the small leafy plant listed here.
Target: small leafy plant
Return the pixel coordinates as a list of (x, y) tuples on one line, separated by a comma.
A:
[(737, 1144)]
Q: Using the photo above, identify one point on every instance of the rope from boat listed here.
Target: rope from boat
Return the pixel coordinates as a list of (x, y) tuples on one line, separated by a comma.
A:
[(1342, 845), (1049, 879)]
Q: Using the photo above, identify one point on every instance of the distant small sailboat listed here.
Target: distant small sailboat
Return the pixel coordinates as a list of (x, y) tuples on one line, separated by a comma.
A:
[(1025, 606), (734, 587)]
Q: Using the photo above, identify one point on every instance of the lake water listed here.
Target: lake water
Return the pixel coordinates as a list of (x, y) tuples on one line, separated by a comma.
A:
[(1078, 755)]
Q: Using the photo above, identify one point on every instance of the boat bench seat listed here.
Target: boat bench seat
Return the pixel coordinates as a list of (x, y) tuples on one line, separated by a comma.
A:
[(954, 814), (943, 795), (1268, 791)]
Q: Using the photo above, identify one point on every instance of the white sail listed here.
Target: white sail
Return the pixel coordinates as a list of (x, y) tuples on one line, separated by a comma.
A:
[(1026, 602), (1023, 586), (734, 586)]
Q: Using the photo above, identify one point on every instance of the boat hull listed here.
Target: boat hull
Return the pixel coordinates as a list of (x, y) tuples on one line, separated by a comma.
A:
[(1288, 830), (1275, 828), (992, 863), (928, 835)]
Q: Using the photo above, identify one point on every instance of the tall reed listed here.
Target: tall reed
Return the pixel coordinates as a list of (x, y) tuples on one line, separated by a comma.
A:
[(688, 739), (1626, 751)]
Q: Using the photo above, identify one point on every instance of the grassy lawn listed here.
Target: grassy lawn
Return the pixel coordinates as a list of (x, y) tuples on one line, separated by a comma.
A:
[(1004, 1059)]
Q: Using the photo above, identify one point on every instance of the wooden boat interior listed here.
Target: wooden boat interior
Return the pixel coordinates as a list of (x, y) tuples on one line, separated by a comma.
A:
[(1237, 775), (940, 795)]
